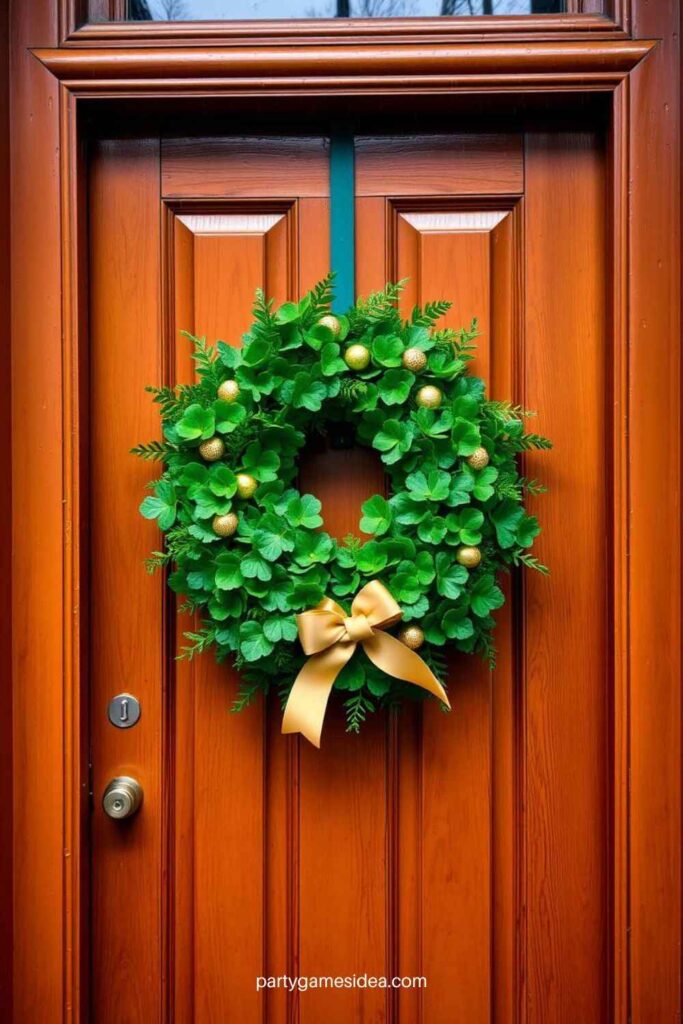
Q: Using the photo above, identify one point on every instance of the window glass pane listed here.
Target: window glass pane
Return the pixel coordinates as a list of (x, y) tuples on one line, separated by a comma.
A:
[(235, 10)]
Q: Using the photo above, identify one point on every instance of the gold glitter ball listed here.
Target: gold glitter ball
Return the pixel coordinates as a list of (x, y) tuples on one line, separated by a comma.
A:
[(225, 525), (229, 391), (246, 485), (414, 359), (429, 397), (478, 459), (212, 450), (469, 557), (412, 637), (357, 357), (331, 323)]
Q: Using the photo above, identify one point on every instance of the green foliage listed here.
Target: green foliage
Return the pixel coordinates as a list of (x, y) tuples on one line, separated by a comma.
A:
[(247, 589)]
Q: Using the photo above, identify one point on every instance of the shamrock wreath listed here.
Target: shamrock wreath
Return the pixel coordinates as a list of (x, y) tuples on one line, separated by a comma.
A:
[(248, 548)]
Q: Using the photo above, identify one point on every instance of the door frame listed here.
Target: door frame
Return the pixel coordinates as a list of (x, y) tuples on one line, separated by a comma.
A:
[(63, 76)]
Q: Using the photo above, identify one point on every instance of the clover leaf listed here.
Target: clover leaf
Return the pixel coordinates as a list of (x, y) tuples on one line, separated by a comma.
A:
[(228, 573), (228, 415), (393, 440), (485, 596), (272, 537), (465, 436), (331, 361), (312, 548), (280, 627), (376, 515), (456, 624), (304, 392), (254, 566), (506, 517), (387, 350), (371, 558), (262, 465), (395, 386), (464, 527), (432, 487), (450, 577), (196, 422), (222, 481), (161, 506), (254, 644)]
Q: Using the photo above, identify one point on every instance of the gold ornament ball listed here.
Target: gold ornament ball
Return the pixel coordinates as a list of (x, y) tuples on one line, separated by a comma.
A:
[(429, 397), (412, 637), (212, 450), (246, 485), (469, 557), (357, 357), (478, 459), (225, 525), (414, 359), (229, 391), (331, 323)]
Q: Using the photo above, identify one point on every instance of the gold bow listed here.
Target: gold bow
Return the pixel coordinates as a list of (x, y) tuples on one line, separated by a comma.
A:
[(330, 637)]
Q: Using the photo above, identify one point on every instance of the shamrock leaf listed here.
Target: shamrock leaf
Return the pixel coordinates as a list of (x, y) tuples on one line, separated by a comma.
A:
[(432, 487), (465, 436), (192, 476), (464, 527), (393, 440), (485, 596), (222, 481), (229, 355), (460, 489), (376, 515), (408, 510), (279, 593), (224, 605), (457, 625), (258, 382), (331, 362), (418, 337), (506, 517), (208, 504), (434, 424), (196, 422), (431, 626), (387, 350), (352, 676), (424, 567), (526, 531), (280, 627), (371, 558), (444, 363), (254, 644), (301, 510), (161, 506), (304, 392), (263, 465), (450, 577), (272, 537), (432, 530), (395, 385), (483, 479), (228, 416), (257, 352), (312, 548), (228, 574), (404, 587), (254, 566), (287, 313)]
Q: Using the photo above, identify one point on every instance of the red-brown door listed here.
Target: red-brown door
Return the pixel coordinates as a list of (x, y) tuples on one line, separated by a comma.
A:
[(470, 849)]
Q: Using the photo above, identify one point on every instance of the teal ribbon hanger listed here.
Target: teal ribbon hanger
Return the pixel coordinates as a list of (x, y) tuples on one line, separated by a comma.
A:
[(343, 219)]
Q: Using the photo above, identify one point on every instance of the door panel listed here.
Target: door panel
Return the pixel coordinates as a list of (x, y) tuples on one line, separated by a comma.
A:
[(469, 848)]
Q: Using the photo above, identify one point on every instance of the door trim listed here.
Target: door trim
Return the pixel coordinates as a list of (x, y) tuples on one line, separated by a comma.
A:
[(49, 345)]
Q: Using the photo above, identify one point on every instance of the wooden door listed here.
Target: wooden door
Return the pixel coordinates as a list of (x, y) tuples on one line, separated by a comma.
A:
[(470, 849)]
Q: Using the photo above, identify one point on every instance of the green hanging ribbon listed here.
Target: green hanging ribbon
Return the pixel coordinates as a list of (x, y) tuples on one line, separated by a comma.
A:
[(343, 219)]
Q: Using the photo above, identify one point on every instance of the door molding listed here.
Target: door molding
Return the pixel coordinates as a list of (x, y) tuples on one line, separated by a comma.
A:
[(52, 96)]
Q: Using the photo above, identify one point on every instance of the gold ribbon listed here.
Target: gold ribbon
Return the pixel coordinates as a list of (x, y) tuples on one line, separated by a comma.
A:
[(330, 637)]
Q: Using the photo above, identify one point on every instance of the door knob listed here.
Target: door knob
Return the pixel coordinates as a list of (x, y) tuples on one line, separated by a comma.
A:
[(122, 797)]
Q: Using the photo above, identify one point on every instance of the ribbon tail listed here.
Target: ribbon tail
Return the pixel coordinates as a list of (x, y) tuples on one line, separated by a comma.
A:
[(399, 661), (307, 701)]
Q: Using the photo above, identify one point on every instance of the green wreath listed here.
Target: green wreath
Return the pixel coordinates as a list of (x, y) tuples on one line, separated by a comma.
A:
[(248, 550)]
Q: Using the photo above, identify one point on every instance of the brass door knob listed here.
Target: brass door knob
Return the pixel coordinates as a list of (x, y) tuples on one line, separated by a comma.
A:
[(122, 797)]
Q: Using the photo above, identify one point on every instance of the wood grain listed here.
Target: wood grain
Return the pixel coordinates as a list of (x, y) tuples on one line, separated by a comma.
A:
[(654, 328), (39, 618), (565, 656), (243, 167), (476, 164), (128, 651)]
